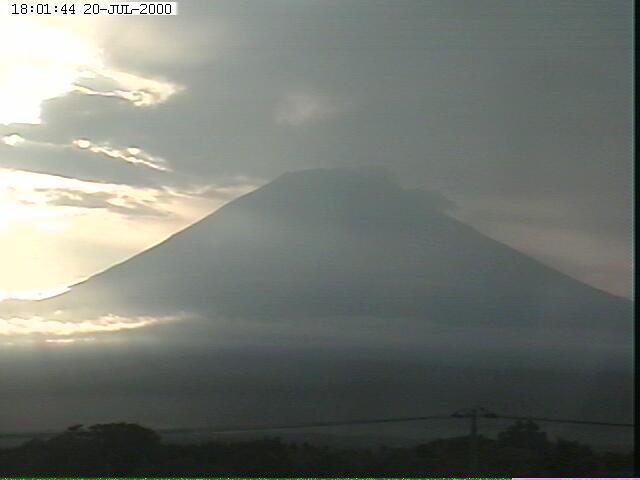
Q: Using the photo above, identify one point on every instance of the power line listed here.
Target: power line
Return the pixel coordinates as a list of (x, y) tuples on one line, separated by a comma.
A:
[(304, 425), (564, 420), (473, 414), (231, 429), (370, 421)]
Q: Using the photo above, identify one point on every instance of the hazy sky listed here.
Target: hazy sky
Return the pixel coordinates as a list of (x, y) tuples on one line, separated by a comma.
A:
[(116, 132)]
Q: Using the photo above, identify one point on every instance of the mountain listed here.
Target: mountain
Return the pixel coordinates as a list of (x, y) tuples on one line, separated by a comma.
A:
[(325, 294), (327, 243)]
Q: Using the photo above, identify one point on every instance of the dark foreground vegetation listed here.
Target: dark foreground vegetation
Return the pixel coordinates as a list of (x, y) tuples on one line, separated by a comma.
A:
[(131, 450)]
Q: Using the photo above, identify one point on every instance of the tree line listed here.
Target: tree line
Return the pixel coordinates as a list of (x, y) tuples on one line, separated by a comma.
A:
[(126, 449)]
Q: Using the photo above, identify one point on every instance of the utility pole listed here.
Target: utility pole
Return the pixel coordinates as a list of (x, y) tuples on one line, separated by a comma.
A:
[(473, 441), (472, 414)]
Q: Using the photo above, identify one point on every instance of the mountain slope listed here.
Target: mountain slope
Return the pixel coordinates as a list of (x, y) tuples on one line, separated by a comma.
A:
[(325, 295), (325, 243)]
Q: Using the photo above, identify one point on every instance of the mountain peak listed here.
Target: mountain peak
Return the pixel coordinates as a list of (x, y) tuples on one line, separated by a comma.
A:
[(349, 243), (338, 185), (344, 176)]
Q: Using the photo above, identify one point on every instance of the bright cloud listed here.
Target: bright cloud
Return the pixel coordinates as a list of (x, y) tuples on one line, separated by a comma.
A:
[(37, 325), (301, 108), (140, 91), (133, 155), (56, 230), (17, 140), (13, 140), (29, 196), (40, 60)]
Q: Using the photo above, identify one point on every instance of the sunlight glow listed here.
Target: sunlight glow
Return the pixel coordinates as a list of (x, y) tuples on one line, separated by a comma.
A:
[(37, 325), (13, 140), (131, 155), (143, 92), (53, 228), (26, 196), (32, 293), (41, 61)]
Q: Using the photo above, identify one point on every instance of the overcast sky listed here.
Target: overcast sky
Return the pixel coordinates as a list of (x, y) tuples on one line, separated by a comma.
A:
[(116, 132)]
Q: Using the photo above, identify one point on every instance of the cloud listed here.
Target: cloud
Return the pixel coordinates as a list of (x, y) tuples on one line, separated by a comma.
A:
[(55, 230), (13, 140), (448, 105), (551, 230), (115, 202), (129, 201), (17, 140), (300, 108), (38, 197), (140, 91), (133, 155), (39, 62), (44, 60), (17, 326), (232, 188)]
